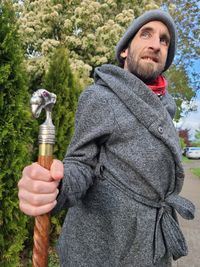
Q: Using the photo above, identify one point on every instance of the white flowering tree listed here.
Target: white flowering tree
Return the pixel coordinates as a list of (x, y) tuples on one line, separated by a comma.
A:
[(89, 29)]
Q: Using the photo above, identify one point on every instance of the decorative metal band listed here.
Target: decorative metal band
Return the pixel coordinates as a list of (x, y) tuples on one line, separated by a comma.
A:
[(46, 134), (45, 149)]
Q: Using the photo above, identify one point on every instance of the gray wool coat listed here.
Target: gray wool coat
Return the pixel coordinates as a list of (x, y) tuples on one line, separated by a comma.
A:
[(122, 177)]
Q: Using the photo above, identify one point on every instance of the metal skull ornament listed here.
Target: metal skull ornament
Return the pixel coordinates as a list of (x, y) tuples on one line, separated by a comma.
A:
[(42, 99)]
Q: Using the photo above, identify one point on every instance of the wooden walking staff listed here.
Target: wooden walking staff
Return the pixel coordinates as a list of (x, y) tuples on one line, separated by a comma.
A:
[(42, 99)]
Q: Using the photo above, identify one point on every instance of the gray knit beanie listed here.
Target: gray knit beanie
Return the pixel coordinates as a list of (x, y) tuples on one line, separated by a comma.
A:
[(152, 15)]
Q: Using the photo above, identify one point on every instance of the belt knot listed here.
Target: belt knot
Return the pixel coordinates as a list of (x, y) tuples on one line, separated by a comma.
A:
[(168, 235)]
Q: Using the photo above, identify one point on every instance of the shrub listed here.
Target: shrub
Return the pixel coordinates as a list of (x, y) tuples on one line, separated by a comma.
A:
[(15, 140)]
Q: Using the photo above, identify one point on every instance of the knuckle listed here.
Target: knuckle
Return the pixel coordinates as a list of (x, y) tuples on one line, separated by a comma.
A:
[(19, 195), (54, 196), (25, 170), (33, 173), (28, 210), (35, 187), (54, 187), (20, 206), (19, 183), (35, 200), (34, 170)]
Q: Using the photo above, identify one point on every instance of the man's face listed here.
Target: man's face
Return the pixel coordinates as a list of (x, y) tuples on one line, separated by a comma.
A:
[(147, 53)]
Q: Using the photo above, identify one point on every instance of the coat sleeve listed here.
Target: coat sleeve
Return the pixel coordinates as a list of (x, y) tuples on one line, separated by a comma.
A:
[(93, 127)]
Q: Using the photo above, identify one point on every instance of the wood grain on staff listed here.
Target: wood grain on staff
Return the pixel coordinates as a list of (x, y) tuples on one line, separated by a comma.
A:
[(41, 228)]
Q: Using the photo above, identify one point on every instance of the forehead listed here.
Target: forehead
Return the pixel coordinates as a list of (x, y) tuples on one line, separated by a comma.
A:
[(156, 26)]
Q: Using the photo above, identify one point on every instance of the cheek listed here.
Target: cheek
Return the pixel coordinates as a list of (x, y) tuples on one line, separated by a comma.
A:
[(164, 53), (135, 54), (138, 50)]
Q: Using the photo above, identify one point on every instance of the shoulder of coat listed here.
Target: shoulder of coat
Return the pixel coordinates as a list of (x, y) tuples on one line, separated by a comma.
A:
[(97, 92)]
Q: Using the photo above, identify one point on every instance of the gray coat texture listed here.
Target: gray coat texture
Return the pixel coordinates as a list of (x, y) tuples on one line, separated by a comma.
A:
[(122, 177)]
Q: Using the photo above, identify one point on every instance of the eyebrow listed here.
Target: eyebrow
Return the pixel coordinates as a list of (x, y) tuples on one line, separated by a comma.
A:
[(146, 28)]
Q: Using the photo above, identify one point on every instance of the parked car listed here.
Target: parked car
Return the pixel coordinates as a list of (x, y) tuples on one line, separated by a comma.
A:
[(184, 151), (192, 152)]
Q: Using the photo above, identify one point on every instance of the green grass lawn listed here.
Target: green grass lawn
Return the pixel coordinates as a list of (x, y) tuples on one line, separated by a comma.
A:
[(184, 159), (196, 171)]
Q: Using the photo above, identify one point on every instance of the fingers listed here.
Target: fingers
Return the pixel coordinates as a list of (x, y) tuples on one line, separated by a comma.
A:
[(36, 210), (38, 194), (38, 188), (37, 172), (38, 199), (57, 169)]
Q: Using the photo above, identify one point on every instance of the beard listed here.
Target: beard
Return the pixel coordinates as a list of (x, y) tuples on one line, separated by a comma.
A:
[(146, 71)]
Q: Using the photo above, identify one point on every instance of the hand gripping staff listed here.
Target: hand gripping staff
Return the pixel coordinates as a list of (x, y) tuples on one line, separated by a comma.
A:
[(39, 100)]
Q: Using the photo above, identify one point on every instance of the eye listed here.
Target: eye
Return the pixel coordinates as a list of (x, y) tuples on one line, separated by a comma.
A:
[(164, 41), (145, 34)]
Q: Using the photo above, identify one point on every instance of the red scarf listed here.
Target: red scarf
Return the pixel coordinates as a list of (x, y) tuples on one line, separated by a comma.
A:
[(158, 86)]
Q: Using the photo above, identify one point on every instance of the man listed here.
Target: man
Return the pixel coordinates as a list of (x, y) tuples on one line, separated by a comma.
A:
[(122, 172)]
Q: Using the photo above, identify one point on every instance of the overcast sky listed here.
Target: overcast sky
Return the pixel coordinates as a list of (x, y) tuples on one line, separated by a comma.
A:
[(192, 119)]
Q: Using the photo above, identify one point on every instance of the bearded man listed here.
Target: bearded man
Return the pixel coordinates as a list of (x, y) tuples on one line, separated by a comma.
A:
[(122, 173)]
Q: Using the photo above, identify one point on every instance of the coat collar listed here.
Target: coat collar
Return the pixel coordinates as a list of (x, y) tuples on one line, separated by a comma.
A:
[(141, 101)]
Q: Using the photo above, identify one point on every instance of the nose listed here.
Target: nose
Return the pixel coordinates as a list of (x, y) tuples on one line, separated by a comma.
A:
[(155, 44)]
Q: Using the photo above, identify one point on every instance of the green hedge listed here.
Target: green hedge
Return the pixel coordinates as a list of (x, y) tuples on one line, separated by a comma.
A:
[(15, 137), (18, 130)]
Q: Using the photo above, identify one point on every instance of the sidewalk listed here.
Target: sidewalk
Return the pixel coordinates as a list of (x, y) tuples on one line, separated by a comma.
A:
[(191, 229)]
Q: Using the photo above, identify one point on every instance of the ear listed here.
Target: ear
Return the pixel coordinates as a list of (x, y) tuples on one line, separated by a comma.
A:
[(124, 53)]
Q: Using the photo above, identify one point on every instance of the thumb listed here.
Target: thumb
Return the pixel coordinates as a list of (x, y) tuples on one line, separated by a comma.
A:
[(57, 169)]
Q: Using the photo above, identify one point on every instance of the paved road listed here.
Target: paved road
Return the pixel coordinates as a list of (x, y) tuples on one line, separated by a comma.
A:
[(191, 229)]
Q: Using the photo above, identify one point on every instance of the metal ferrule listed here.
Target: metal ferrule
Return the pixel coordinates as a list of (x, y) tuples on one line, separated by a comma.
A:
[(46, 134)]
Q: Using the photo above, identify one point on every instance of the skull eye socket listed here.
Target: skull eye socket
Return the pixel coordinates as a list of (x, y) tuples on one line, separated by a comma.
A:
[(45, 94)]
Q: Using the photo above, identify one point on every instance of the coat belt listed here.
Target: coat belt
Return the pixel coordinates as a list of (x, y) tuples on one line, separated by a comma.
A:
[(168, 236)]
